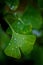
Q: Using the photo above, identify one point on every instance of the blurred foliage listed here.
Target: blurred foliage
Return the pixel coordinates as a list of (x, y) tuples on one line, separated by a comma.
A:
[(25, 29)]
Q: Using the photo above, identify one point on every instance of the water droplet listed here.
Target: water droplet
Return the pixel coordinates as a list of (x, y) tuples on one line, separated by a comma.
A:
[(15, 13), (12, 48), (16, 33), (29, 23), (12, 7), (24, 32), (9, 44), (18, 23), (16, 47), (23, 38), (14, 39)]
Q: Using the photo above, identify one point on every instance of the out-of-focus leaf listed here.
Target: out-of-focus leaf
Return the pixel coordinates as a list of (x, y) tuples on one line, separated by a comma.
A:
[(40, 3), (37, 55), (10, 18), (2, 56), (13, 4), (33, 17), (4, 39)]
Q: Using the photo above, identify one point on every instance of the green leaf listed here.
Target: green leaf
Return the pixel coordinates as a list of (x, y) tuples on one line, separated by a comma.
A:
[(12, 49), (40, 3), (4, 39), (21, 28), (10, 18), (37, 55), (21, 33), (2, 56), (24, 42), (13, 4), (33, 17), (18, 25)]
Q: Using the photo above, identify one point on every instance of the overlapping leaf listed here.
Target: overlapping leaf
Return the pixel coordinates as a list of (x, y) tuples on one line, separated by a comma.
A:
[(20, 40), (21, 33)]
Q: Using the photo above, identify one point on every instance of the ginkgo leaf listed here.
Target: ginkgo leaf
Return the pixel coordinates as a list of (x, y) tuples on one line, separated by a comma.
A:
[(30, 16), (30, 19), (21, 33), (21, 28), (33, 17), (18, 25), (24, 42), (12, 49)]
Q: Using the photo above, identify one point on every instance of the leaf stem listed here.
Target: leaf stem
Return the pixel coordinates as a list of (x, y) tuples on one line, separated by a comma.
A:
[(9, 25)]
